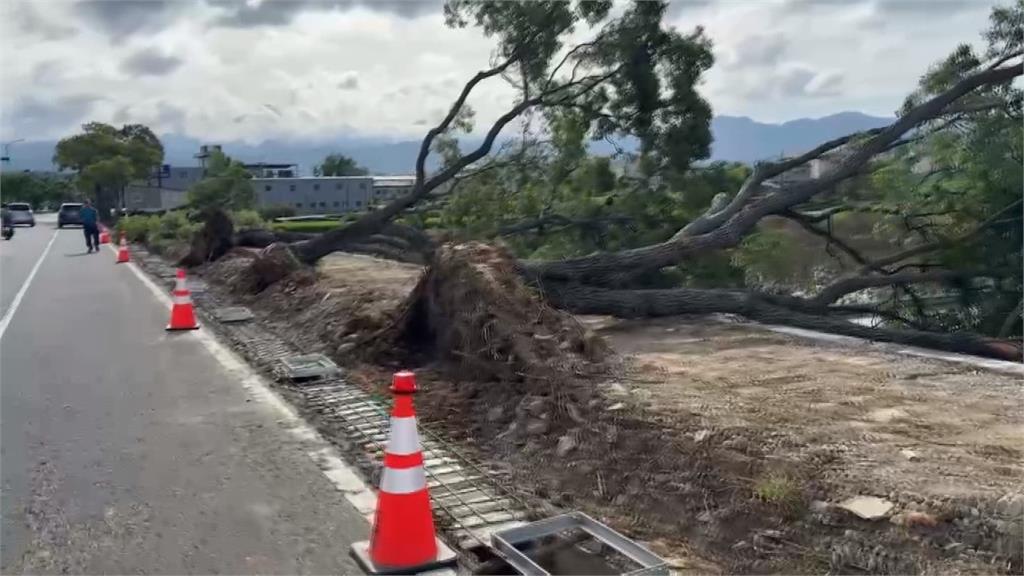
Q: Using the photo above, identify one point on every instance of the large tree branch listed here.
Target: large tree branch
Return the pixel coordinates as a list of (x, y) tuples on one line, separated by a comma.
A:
[(421, 158), (603, 267), (764, 171), (640, 303), (845, 286)]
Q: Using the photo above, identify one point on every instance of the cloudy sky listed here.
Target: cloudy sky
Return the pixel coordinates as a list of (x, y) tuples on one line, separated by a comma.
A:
[(315, 70)]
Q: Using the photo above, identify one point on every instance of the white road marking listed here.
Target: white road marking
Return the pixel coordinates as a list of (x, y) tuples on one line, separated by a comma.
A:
[(323, 454), (24, 287)]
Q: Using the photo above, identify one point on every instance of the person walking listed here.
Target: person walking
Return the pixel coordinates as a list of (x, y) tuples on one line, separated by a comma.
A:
[(90, 226)]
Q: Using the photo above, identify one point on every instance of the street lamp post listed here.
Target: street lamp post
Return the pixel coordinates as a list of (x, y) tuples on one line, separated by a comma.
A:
[(6, 158)]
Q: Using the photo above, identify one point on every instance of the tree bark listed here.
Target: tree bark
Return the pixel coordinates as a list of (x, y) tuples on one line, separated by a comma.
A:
[(582, 299)]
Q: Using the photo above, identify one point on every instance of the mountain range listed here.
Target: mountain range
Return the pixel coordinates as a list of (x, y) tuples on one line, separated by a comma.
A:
[(736, 138)]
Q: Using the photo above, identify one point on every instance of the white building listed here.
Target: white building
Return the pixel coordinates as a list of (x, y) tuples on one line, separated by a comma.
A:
[(316, 195), (274, 184)]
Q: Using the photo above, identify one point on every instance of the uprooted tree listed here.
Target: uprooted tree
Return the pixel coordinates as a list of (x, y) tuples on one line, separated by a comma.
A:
[(948, 167)]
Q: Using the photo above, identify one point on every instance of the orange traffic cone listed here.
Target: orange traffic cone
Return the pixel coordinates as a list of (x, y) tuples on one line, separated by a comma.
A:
[(122, 251), (183, 316), (403, 538), (104, 235)]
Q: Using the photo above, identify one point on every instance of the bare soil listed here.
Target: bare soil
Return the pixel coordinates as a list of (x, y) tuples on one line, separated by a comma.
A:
[(726, 447)]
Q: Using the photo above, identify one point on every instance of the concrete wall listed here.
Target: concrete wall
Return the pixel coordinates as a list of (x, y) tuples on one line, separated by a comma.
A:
[(152, 199)]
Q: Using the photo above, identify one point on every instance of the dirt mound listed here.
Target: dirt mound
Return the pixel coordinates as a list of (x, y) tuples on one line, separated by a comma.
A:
[(472, 309)]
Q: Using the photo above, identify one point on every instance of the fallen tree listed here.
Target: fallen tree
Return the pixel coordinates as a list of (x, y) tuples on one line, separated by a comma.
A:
[(636, 77)]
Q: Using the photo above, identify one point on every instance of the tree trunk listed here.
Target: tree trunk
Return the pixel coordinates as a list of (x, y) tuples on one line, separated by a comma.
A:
[(582, 299), (212, 241)]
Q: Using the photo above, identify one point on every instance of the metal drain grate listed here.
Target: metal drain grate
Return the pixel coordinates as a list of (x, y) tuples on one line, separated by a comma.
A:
[(466, 501), (308, 367), (232, 314)]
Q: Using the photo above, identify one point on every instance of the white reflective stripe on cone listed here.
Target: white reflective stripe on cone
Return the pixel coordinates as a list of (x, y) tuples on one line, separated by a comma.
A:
[(178, 300), (403, 438), (179, 284), (403, 480)]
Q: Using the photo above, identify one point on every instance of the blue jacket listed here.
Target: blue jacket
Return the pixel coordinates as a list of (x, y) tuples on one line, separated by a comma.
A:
[(88, 215)]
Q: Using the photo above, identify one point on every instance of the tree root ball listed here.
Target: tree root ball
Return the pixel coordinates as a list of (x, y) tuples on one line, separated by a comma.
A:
[(275, 263), (472, 308)]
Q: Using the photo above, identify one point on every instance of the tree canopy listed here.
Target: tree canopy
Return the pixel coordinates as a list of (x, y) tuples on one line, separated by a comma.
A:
[(108, 158), (37, 190), (225, 186), (339, 165)]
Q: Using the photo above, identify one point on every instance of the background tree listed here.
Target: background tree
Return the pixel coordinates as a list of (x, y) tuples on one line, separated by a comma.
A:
[(106, 159), (39, 191), (225, 186), (339, 165)]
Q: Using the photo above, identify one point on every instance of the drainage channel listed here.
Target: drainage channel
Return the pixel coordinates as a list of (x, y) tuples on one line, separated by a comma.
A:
[(469, 504)]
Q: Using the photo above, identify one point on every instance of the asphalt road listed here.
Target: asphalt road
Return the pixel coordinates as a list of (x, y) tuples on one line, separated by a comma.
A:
[(124, 449)]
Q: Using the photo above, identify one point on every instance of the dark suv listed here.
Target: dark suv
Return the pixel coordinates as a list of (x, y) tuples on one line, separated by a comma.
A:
[(69, 214)]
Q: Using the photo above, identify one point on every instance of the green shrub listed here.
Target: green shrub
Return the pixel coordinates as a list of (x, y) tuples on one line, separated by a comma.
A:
[(246, 219), (137, 228), (277, 211)]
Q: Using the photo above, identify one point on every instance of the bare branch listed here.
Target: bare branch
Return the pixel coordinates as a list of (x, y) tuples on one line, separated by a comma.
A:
[(421, 158), (939, 244), (827, 235), (568, 55), (845, 286), (559, 222)]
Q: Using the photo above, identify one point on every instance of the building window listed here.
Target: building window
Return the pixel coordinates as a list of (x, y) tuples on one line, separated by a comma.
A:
[(336, 203), (298, 204), (362, 185), (316, 186), (267, 188), (291, 187), (359, 203), (337, 185), (182, 174), (323, 204)]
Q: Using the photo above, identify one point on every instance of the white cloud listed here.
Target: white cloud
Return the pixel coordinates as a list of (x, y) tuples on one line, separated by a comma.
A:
[(317, 70)]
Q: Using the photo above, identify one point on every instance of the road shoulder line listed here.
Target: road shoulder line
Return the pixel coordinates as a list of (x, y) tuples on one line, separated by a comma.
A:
[(343, 476)]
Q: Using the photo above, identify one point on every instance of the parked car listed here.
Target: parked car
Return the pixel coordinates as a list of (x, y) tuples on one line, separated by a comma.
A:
[(69, 214), (21, 214)]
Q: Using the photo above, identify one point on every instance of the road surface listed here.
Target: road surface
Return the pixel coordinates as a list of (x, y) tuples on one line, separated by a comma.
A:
[(129, 450)]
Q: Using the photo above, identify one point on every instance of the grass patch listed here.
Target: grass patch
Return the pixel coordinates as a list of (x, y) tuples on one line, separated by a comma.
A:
[(780, 490)]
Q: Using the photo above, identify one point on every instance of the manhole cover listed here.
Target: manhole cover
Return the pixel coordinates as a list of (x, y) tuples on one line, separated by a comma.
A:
[(308, 367), (232, 314)]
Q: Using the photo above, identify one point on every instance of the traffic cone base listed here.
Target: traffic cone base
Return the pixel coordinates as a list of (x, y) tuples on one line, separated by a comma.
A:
[(361, 552)]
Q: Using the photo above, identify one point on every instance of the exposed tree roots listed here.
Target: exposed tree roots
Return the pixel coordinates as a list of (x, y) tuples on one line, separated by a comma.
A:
[(471, 308)]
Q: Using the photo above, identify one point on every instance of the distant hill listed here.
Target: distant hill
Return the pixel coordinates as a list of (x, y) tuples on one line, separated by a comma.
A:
[(737, 138)]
